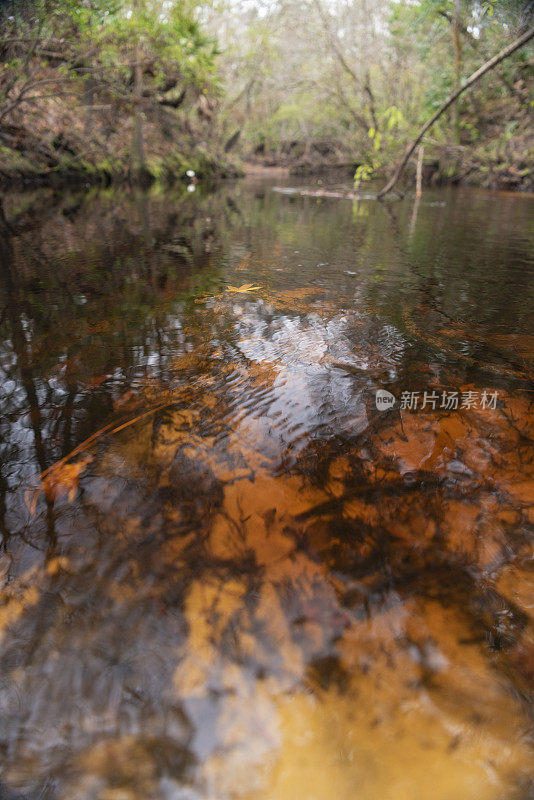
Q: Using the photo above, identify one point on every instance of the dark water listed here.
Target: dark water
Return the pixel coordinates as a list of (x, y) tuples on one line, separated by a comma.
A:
[(225, 572)]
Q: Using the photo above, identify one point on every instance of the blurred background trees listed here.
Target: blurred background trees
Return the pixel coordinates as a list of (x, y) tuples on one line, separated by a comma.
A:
[(111, 83), (156, 85), (353, 80)]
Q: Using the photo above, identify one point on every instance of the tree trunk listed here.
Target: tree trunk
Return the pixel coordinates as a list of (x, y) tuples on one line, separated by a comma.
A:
[(456, 75), (88, 101), (138, 153), (507, 51), (419, 175)]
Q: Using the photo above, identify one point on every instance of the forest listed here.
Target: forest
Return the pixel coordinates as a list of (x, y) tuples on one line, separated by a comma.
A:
[(145, 90)]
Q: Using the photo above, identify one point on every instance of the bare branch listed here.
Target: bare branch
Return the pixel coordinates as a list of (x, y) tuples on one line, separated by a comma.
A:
[(335, 45), (507, 51)]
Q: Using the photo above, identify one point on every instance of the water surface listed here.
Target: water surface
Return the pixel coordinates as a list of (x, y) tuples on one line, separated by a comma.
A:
[(225, 572)]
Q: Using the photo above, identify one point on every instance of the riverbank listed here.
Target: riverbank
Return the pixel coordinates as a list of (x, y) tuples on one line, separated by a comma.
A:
[(503, 163), (452, 166), (506, 164), (22, 170)]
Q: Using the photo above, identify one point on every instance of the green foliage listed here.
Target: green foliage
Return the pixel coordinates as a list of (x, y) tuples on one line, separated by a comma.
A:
[(171, 42), (364, 172), (347, 84), (85, 52), (391, 121)]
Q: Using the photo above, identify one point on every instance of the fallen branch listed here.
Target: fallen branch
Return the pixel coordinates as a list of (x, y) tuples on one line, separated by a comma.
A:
[(106, 430), (515, 45)]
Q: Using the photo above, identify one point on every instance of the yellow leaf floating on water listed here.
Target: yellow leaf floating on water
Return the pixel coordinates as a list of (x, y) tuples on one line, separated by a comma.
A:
[(61, 479), (246, 287)]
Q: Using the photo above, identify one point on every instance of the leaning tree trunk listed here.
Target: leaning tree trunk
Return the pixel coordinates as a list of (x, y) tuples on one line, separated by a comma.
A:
[(515, 45)]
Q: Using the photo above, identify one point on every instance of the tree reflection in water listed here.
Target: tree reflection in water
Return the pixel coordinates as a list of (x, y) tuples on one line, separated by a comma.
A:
[(263, 587)]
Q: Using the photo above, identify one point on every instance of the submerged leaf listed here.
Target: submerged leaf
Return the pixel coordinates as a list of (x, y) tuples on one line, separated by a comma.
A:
[(246, 287), (62, 479)]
